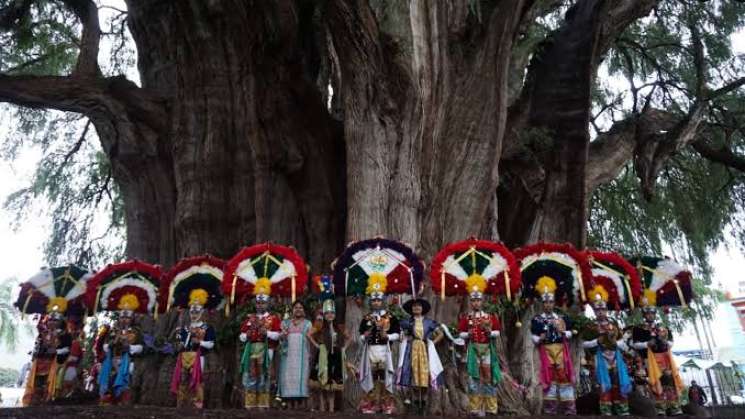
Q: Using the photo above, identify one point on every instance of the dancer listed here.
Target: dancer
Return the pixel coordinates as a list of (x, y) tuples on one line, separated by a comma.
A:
[(551, 334), (419, 365)]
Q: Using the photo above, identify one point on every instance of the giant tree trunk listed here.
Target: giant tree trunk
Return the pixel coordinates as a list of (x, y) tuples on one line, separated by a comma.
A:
[(234, 137)]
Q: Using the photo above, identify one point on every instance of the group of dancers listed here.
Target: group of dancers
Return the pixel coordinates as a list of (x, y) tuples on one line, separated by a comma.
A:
[(295, 357)]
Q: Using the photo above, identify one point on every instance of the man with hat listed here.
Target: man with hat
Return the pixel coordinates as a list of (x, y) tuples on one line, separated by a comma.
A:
[(120, 345), (378, 329), (604, 342), (260, 332), (194, 341), (551, 333), (419, 365), (480, 329), (653, 343)]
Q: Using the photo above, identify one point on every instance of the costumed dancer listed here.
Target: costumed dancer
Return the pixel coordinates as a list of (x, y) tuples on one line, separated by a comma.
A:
[(41, 362), (419, 365), (294, 366), (328, 372), (482, 362), (124, 289), (193, 283), (260, 332), (604, 342), (120, 345), (653, 343), (54, 293), (551, 332), (378, 329), (67, 354), (615, 285), (262, 270), (374, 267), (330, 339), (477, 268)]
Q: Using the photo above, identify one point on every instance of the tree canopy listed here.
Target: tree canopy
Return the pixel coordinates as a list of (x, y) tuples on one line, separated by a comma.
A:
[(666, 120)]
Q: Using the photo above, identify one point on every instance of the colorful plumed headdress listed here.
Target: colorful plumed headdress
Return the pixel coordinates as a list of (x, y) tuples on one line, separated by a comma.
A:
[(323, 287), (553, 271), (54, 291), (666, 283), (614, 277), (263, 270), (129, 287), (376, 267), (193, 282), (474, 267)]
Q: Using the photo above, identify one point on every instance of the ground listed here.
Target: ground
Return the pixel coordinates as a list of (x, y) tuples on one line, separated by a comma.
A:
[(153, 412)]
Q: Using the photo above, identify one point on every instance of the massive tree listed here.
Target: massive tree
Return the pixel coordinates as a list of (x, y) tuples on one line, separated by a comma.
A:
[(314, 123)]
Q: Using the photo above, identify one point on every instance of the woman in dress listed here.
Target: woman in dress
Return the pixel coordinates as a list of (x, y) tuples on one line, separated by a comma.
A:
[(327, 374), (419, 366), (295, 357)]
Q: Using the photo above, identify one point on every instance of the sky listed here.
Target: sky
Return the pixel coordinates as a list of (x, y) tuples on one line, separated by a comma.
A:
[(22, 254)]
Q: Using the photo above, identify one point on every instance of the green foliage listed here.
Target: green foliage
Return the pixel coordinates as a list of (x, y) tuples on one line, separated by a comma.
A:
[(8, 317), (698, 205), (74, 181), (8, 377)]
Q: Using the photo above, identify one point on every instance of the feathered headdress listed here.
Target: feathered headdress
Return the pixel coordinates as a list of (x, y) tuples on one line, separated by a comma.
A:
[(129, 286), (475, 267), (193, 281), (55, 291), (562, 263), (666, 283), (617, 277), (377, 266), (323, 287), (265, 269)]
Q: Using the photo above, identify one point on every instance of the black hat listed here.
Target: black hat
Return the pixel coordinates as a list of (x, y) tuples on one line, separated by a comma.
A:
[(424, 303)]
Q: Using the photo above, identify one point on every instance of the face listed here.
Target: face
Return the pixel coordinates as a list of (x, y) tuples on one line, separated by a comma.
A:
[(298, 311), (330, 316), (417, 309), (261, 305), (125, 321), (476, 303), (55, 324), (376, 304), (195, 314), (649, 315), (548, 306), (601, 313)]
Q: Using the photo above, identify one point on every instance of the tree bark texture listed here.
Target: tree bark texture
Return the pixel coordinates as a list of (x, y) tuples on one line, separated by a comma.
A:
[(316, 123)]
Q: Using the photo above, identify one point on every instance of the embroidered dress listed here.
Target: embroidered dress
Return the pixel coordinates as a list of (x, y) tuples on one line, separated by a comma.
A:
[(295, 360), (328, 371), (419, 365)]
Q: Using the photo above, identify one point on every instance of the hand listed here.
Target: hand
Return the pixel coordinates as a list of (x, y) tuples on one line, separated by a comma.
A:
[(366, 334)]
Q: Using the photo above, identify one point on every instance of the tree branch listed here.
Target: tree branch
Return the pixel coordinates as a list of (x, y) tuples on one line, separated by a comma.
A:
[(727, 88), (13, 12), (87, 12), (88, 96), (722, 155)]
